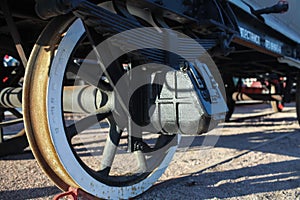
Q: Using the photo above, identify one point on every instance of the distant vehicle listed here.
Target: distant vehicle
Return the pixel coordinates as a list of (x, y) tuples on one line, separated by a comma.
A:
[(9, 61)]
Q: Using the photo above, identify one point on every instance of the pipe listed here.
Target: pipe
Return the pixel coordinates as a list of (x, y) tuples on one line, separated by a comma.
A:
[(76, 99), (86, 99), (11, 97), (237, 96)]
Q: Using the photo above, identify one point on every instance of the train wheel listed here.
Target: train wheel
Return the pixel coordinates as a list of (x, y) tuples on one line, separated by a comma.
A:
[(73, 149), (230, 89), (298, 99), (12, 137), (277, 106)]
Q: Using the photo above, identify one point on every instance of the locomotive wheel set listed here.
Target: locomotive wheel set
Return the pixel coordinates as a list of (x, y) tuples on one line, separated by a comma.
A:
[(110, 86)]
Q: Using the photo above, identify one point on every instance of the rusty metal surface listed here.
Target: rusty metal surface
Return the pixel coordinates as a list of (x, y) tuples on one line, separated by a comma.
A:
[(38, 137)]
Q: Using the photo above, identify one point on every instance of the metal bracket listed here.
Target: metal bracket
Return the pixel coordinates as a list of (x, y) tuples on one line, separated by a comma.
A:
[(14, 31), (74, 194), (290, 61), (121, 8)]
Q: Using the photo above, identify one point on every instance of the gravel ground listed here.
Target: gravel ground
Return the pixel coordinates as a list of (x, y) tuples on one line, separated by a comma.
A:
[(256, 158)]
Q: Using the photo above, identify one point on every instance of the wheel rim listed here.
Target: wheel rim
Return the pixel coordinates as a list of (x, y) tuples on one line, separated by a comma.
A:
[(277, 106), (66, 165), (36, 126)]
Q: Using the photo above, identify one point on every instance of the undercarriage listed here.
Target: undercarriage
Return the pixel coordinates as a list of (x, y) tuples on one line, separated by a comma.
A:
[(144, 72)]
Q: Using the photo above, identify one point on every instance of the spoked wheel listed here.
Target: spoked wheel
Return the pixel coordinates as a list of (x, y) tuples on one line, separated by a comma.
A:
[(78, 142), (298, 98), (230, 89), (12, 135), (12, 127), (277, 106)]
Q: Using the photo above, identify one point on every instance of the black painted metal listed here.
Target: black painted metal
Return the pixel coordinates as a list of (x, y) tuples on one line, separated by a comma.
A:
[(215, 24), (280, 7), (14, 31), (51, 8)]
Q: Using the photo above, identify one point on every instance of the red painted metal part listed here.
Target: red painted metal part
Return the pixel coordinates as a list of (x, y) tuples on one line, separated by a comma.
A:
[(75, 194)]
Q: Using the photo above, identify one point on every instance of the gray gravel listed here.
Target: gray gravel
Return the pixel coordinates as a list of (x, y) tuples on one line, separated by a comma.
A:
[(271, 171)]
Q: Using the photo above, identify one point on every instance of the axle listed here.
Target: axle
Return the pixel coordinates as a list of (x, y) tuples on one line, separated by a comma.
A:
[(78, 99), (237, 96)]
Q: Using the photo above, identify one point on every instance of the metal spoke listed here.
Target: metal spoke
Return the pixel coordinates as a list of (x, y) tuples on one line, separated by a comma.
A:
[(89, 73), (163, 140), (163, 143), (105, 72), (110, 148), (162, 146), (15, 112), (142, 162), (11, 122), (84, 124)]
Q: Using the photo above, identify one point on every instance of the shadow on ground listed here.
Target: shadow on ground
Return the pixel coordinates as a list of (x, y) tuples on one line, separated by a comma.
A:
[(232, 183), (241, 181), (29, 193)]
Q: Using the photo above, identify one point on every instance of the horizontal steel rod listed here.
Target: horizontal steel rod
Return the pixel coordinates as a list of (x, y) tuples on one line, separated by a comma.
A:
[(76, 99), (237, 96), (11, 97)]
